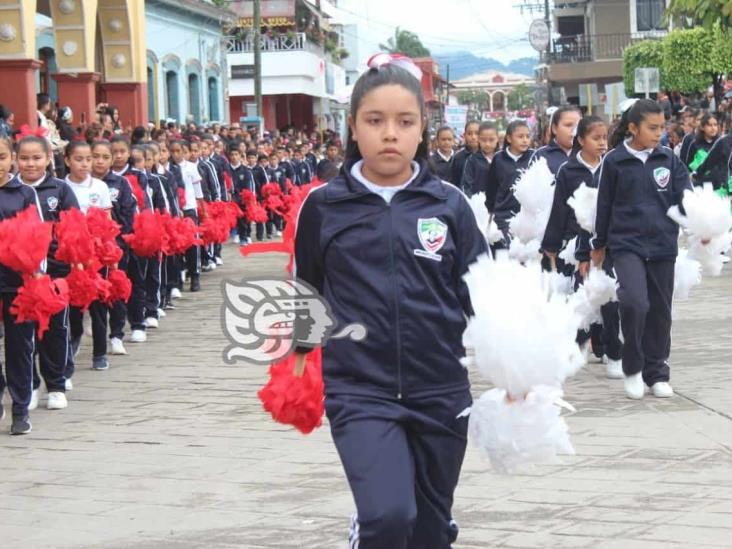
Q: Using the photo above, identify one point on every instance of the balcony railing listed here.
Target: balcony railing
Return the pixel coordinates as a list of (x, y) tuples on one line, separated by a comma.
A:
[(282, 42), (594, 47)]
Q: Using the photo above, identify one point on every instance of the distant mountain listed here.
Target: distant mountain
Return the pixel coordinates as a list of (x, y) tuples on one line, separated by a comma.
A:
[(464, 63)]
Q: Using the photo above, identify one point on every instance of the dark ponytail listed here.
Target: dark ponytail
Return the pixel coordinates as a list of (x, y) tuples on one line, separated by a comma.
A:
[(634, 115), (583, 128), (384, 76)]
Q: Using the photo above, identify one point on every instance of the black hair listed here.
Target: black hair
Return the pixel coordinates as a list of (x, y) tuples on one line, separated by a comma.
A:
[(136, 148), (634, 115), (487, 126), (252, 152), (207, 137), (101, 143), (384, 76), (42, 99), (583, 128), (120, 139), (233, 148), (444, 129), (138, 134), (512, 127), (556, 118), (42, 141), (700, 130), (470, 123), (261, 157)]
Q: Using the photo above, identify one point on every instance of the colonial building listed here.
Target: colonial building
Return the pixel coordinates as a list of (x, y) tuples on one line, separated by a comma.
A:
[(496, 86), (302, 46), (154, 59)]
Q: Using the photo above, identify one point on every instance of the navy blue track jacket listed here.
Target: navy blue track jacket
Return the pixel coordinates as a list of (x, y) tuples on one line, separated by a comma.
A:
[(458, 164), (397, 269), (14, 198), (442, 168), (123, 204), (55, 196), (717, 167), (632, 202), (562, 224), (475, 173), (502, 176), (554, 154)]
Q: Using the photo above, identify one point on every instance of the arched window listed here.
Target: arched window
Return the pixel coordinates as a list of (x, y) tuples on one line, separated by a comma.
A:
[(152, 87), (213, 98), (171, 95), (194, 97)]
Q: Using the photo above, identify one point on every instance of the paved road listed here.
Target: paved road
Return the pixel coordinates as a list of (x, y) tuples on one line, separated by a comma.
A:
[(169, 448)]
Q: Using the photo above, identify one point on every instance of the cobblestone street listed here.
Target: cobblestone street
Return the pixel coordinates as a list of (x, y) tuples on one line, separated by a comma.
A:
[(170, 448)]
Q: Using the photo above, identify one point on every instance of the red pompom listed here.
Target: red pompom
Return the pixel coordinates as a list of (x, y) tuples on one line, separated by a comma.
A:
[(182, 234), (101, 226), (228, 182), (296, 401), (137, 191), (256, 213), (75, 243), (247, 196), (39, 299), (149, 236), (120, 287), (86, 286), (182, 197), (24, 241)]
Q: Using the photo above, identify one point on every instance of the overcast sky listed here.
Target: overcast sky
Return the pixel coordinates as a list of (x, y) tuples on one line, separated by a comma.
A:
[(488, 28)]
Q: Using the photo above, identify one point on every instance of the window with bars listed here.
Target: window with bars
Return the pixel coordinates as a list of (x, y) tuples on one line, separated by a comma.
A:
[(649, 15)]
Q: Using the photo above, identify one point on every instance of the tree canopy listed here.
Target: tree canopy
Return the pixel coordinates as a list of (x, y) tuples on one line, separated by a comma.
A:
[(708, 13), (405, 42)]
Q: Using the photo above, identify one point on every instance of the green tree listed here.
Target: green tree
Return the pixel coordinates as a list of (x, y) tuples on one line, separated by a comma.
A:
[(520, 98), (474, 99), (405, 42), (694, 59), (708, 13), (648, 53)]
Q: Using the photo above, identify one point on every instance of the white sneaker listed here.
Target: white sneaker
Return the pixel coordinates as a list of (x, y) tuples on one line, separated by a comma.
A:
[(725, 259), (184, 276), (235, 239), (614, 369), (118, 347), (634, 386), (605, 359), (662, 389), (68, 385), (34, 400), (219, 261), (161, 313), (138, 336), (249, 240), (175, 293), (57, 401), (279, 233), (151, 322)]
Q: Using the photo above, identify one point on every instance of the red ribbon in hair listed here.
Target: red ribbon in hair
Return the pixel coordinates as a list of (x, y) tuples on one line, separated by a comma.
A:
[(378, 60), (25, 131)]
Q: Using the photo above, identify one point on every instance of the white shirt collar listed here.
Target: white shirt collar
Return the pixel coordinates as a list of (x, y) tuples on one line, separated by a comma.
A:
[(86, 183), (640, 155), (590, 167), (32, 183), (446, 158), (387, 193), (511, 155)]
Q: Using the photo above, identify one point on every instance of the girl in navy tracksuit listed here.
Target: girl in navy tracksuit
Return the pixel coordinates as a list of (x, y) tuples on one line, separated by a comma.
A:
[(706, 136), (478, 163), (717, 167), (562, 129), (386, 243), (562, 227), (443, 156), (504, 171), (242, 179), (471, 146), (639, 182), (55, 351), (19, 337)]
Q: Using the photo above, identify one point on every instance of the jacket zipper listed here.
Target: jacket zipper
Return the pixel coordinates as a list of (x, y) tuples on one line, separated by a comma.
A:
[(396, 301)]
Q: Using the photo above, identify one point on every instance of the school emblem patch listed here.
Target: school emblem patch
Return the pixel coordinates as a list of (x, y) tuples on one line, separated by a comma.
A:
[(432, 235), (93, 198), (52, 202), (114, 194), (662, 177)]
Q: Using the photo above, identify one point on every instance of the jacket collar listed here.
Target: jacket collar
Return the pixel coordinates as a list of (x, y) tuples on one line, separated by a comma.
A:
[(14, 183), (345, 187), (621, 154)]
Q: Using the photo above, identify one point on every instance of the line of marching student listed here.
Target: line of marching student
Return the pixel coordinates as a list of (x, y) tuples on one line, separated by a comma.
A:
[(178, 178), (635, 241)]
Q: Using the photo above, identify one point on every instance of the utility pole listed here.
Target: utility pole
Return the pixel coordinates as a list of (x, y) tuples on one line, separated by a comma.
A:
[(447, 95), (258, 61), (547, 19)]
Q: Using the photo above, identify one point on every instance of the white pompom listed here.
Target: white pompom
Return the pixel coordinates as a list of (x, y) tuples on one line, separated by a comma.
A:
[(524, 253), (522, 337), (707, 214), (584, 204), (516, 435), (567, 254), (557, 283), (477, 204), (494, 233), (596, 290), (534, 189), (524, 226), (688, 273)]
